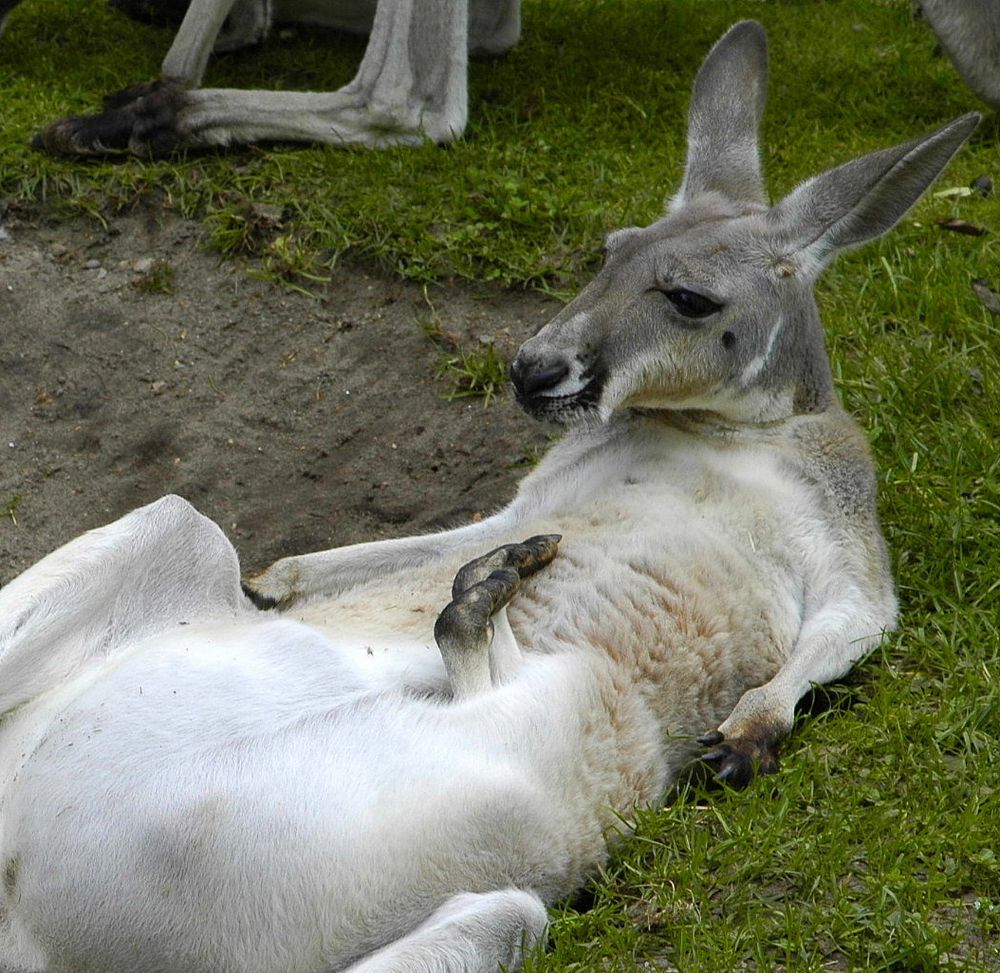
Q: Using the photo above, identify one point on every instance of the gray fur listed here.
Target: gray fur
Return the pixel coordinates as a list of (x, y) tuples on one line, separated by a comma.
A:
[(720, 553), (969, 32), (411, 86), (761, 357), (723, 155)]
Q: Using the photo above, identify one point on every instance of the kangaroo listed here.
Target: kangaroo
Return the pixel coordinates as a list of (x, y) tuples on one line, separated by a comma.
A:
[(353, 780)]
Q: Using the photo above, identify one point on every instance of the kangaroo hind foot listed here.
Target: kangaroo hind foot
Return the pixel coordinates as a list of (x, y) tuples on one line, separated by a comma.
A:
[(472, 632)]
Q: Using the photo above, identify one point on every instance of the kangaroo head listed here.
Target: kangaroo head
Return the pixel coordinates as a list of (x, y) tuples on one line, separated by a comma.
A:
[(711, 307)]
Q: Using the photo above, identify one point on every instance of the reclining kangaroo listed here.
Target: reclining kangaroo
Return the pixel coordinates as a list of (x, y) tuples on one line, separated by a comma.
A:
[(411, 85), (191, 785)]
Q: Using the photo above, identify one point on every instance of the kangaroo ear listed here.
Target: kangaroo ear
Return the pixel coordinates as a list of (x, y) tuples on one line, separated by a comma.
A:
[(859, 201), (726, 107)]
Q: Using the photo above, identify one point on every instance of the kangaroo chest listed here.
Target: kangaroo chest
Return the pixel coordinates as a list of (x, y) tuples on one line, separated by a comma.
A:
[(687, 564)]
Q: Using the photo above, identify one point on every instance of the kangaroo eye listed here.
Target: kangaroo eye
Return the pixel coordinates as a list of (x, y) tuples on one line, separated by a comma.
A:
[(690, 303)]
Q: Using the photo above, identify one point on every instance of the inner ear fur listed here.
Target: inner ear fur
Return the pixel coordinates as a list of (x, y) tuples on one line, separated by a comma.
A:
[(856, 202), (727, 103)]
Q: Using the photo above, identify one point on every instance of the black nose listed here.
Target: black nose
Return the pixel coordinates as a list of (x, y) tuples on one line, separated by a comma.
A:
[(533, 375)]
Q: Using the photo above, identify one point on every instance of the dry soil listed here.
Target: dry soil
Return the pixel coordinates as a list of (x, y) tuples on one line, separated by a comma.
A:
[(297, 423)]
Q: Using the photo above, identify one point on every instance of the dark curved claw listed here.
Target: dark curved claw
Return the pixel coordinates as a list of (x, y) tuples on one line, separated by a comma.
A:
[(262, 602), (141, 119), (484, 586), (739, 759)]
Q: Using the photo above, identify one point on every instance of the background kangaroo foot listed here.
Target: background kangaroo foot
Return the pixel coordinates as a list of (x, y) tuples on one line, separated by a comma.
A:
[(141, 119)]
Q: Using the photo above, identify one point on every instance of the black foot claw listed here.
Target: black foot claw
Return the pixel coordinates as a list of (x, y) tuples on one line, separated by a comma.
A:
[(141, 119), (739, 759)]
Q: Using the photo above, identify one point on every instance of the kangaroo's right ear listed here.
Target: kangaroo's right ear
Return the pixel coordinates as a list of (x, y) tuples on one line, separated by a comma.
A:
[(859, 201), (726, 107)]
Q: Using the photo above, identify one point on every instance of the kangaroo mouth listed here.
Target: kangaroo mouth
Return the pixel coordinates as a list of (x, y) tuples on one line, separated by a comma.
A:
[(563, 409)]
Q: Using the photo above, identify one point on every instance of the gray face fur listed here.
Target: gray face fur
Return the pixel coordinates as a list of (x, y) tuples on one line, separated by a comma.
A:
[(711, 307)]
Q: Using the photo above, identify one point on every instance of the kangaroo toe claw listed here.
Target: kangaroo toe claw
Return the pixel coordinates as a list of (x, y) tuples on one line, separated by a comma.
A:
[(737, 760), (141, 119)]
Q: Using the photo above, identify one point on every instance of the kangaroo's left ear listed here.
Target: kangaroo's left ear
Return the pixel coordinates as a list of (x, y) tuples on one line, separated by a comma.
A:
[(726, 107), (859, 201)]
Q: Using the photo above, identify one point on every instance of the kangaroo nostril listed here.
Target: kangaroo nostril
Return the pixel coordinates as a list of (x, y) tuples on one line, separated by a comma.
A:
[(532, 377)]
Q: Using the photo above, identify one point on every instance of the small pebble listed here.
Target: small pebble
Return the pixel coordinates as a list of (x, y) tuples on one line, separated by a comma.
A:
[(92, 265), (986, 294), (982, 185)]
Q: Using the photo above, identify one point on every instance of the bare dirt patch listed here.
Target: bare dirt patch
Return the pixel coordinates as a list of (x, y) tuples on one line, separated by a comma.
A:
[(134, 363)]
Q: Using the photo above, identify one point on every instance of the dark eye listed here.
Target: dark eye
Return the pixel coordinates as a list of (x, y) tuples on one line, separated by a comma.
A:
[(690, 303)]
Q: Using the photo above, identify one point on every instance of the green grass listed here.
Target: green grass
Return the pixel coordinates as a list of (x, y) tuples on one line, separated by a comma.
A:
[(474, 373), (576, 131), (876, 847), (9, 510), (159, 279)]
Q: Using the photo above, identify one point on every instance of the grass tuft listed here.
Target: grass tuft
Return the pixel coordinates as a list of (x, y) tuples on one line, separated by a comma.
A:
[(158, 279), (10, 507), (476, 372)]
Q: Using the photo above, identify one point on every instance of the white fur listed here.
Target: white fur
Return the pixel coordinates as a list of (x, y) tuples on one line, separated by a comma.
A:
[(253, 792), (756, 365)]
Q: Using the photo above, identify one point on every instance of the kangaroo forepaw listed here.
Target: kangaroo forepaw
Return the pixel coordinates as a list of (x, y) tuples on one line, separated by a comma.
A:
[(525, 558), (141, 119), (738, 759)]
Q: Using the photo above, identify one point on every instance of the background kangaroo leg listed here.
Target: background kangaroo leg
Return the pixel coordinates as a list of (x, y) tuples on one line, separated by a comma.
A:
[(248, 24), (473, 626), (187, 58), (411, 87), (470, 933)]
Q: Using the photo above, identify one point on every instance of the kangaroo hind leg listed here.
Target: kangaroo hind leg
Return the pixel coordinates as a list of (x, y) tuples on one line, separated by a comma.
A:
[(472, 632), (470, 933), (157, 566)]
